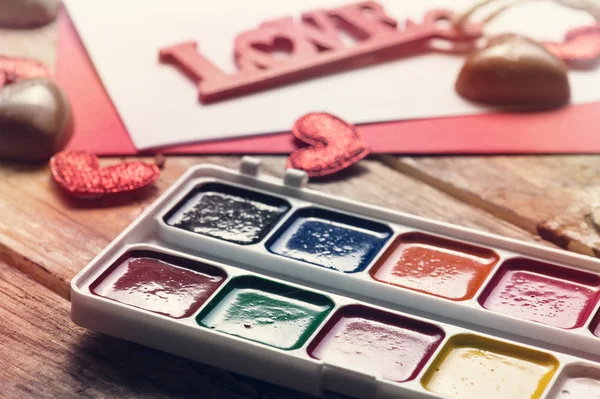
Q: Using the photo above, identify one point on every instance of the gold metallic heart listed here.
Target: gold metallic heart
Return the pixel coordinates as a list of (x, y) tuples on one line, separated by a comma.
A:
[(35, 120)]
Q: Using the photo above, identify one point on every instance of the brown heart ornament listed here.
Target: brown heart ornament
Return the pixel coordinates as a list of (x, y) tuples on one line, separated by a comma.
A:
[(514, 70), (35, 120)]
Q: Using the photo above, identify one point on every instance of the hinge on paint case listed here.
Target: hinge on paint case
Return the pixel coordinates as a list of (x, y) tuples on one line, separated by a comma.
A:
[(250, 166), (295, 178)]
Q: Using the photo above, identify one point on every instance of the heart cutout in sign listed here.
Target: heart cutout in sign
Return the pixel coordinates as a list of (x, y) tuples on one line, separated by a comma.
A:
[(334, 145), (79, 174), (581, 46), (268, 47)]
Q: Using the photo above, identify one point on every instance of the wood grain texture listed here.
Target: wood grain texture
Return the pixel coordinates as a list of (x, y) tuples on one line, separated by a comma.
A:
[(44, 355), (553, 196), (51, 237)]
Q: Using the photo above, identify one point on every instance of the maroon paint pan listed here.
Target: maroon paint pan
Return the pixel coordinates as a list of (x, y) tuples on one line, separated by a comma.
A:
[(159, 283)]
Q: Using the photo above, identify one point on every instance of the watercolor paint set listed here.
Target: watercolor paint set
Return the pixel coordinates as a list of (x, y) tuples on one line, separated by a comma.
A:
[(265, 278)]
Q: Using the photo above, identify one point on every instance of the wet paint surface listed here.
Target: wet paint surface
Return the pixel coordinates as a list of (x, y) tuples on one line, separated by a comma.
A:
[(435, 266), (157, 286), (271, 313), (542, 293), (229, 213), (330, 240), (579, 388), (392, 347), (489, 369)]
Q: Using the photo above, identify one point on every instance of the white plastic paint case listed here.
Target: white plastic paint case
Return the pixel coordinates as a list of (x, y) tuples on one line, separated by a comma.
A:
[(295, 368)]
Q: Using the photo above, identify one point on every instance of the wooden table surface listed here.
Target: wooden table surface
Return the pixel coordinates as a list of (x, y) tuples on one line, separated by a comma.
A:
[(46, 238)]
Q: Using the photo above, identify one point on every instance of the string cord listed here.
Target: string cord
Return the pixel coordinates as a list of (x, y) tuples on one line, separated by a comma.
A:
[(592, 7)]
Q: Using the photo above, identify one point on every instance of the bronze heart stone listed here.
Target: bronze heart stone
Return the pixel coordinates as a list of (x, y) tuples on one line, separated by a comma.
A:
[(35, 120), (27, 13), (514, 70)]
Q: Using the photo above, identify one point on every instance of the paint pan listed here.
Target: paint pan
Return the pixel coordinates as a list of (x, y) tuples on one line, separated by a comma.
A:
[(436, 266), (579, 381), (375, 342), (264, 311), (159, 283), (329, 239), (228, 213), (542, 292), (473, 367)]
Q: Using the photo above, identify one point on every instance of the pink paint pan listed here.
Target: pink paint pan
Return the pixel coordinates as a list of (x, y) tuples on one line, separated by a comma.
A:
[(542, 292)]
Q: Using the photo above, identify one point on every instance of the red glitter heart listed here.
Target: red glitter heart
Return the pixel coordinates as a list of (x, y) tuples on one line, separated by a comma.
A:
[(581, 45), (334, 145), (80, 175), (13, 70)]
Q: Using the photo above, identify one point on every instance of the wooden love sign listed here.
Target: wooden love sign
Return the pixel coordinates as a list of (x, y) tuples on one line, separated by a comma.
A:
[(315, 48)]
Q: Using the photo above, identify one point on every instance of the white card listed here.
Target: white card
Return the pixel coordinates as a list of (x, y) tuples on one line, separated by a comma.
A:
[(159, 105)]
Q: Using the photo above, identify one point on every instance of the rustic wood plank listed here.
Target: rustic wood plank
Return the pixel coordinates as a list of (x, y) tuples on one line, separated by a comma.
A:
[(552, 196), (44, 355), (51, 237)]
